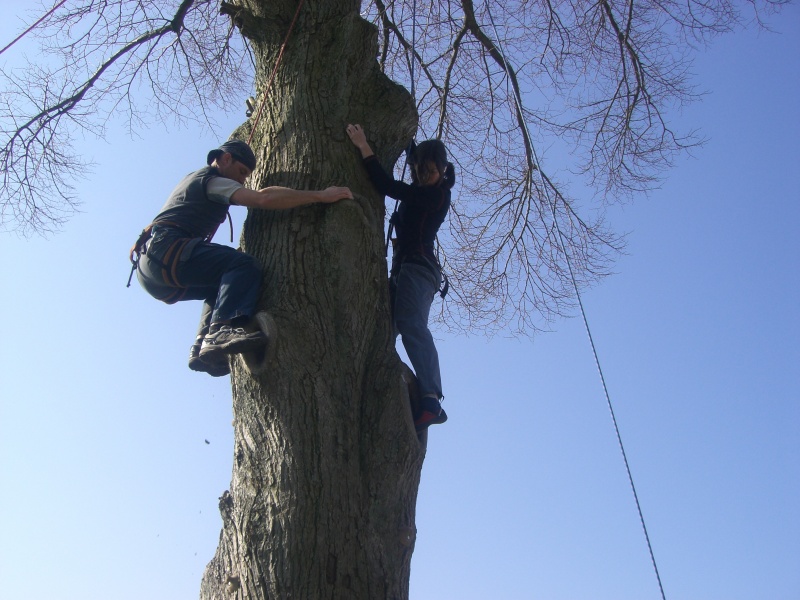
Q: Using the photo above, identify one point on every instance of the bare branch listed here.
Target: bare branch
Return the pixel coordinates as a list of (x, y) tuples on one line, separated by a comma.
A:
[(551, 110), (185, 56), (520, 91)]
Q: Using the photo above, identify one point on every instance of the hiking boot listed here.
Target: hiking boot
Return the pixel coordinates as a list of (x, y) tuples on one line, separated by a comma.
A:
[(212, 367), (230, 340), (431, 413)]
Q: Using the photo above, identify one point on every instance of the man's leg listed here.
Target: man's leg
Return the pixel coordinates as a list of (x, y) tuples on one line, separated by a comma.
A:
[(238, 291), (227, 278), (215, 368), (230, 280)]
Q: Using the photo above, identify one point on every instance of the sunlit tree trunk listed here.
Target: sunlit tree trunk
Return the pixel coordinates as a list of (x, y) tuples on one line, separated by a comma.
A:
[(326, 462)]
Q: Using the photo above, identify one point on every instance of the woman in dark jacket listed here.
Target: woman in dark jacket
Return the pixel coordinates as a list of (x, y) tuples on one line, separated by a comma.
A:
[(415, 273)]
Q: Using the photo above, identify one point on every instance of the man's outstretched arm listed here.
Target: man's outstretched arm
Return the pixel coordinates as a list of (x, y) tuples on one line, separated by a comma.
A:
[(277, 198)]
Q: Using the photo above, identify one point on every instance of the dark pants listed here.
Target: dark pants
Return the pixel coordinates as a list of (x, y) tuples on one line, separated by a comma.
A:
[(227, 280), (412, 291)]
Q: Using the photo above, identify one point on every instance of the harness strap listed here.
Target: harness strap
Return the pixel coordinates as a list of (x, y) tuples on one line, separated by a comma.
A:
[(175, 296), (138, 249), (211, 235), (445, 285), (169, 265)]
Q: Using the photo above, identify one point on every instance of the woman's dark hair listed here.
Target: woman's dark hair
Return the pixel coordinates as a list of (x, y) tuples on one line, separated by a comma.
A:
[(433, 151)]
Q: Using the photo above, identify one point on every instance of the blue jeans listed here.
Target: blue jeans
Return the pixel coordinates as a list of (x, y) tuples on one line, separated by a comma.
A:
[(412, 291), (228, 281)]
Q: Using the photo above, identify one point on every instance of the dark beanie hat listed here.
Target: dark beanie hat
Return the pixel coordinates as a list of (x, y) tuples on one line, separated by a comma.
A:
[(238, 149)]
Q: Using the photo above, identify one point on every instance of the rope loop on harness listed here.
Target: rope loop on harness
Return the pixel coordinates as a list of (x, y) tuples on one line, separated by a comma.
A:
[(138, 249)]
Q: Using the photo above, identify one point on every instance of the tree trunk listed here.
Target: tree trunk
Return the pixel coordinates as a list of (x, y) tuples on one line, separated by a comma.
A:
[(326, 461)]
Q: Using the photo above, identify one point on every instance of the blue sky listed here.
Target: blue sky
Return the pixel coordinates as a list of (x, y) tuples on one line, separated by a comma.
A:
[(109, 487)]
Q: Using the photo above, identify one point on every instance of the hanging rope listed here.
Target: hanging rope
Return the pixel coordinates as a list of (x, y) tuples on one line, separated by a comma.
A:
[(413, 45), (562, 246), (414, 97), (274, 71), (32, 27)]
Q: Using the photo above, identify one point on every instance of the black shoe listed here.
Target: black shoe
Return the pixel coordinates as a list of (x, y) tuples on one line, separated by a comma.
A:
[(431, 413), (212, 367), (231, 340)]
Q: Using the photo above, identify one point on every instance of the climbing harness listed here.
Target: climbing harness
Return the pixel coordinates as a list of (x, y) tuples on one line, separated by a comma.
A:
[(562, 245), (168, 263), (171, 258)]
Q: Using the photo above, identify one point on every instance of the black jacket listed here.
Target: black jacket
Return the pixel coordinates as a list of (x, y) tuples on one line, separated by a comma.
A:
[(421, 212)]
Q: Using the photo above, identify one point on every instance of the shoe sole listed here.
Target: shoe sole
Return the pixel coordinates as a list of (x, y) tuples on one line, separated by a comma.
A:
[(237, 346), (215, 369)]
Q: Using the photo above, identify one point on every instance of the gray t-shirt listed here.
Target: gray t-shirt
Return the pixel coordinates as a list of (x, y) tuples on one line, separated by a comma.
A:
[(199, 203), (220, 189)]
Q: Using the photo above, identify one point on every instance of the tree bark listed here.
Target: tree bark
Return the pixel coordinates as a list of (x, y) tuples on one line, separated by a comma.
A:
[(326, 461)]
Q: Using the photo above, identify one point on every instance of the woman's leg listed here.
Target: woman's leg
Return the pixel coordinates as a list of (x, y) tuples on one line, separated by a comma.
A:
[(416, 286)]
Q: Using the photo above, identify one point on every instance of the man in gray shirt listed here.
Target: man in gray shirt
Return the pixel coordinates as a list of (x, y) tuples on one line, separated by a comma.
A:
[(175, 260)]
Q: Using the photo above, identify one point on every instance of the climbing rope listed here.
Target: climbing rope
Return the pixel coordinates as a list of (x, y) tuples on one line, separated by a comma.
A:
[(413, 96), (562, 246), (32, 27), (274, 71), (413, 45)]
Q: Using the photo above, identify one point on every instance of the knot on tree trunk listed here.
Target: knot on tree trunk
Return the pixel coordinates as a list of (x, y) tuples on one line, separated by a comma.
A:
[(232, 584), (226, 506)]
